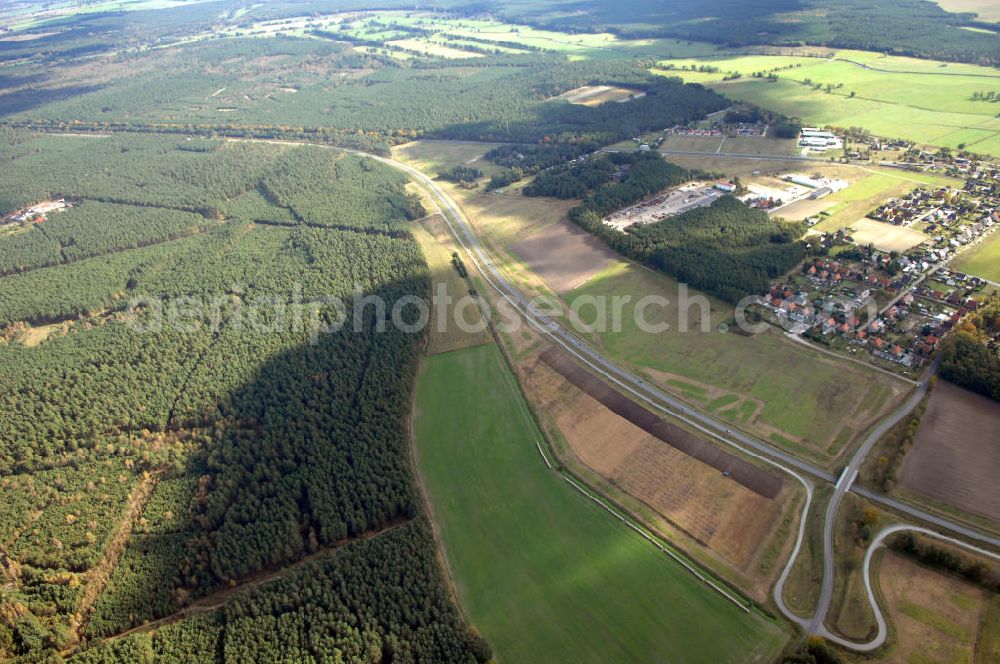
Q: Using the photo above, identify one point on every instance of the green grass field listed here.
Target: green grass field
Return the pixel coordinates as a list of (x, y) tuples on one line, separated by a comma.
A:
[(811, 398), (541, 571), (982, 260), (988, 649), (573, 45), (920, 100)]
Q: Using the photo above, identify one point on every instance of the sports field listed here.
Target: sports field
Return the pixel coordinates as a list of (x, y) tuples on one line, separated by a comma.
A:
[(921, 100), (540, 570)]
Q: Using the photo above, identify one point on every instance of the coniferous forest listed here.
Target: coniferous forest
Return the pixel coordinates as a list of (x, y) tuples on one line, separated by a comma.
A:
[(196, 367), (211, 291)]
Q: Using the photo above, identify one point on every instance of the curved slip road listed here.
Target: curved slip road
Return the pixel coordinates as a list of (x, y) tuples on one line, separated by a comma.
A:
[(665, 403), (843, 486), (876, 544)]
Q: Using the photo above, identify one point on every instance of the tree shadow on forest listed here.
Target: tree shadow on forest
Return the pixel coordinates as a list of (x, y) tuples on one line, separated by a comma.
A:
[(30, 98), (310, 452)]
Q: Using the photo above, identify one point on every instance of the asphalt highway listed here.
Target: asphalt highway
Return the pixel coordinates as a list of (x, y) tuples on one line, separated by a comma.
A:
[(720, 431)]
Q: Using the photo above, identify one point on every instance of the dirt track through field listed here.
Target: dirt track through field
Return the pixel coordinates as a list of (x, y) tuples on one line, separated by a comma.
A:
[(743, 472)]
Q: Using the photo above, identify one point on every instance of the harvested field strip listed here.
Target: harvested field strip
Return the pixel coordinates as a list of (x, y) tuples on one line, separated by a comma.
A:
[(743, 472)]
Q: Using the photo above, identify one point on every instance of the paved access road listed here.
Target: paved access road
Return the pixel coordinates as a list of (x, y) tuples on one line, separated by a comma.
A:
[(844, 484), (664, 402), (716, 429)]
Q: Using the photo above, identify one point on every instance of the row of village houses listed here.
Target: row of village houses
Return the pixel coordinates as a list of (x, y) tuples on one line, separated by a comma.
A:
[(880, 335)]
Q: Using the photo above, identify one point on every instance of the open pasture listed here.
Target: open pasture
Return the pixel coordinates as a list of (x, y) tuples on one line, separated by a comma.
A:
[(954, 459), (734, 166), (920, 100), (803, 209), (489, 33), (541, 571), (813, 406), (434, 157), (433, 49), (437, 246), (983, 260)]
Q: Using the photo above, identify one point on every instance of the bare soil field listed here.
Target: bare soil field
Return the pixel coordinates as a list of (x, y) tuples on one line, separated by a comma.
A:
[(564, 255), (886, 236), (714, 510), (936, 616), (743, 472), (955, 457)]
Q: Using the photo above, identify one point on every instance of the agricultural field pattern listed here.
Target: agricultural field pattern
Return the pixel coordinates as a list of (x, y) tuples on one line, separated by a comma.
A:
[(493, 332)]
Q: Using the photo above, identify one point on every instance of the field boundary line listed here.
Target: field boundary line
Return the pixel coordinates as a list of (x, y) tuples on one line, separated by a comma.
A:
[(703, 577), (548, 464)]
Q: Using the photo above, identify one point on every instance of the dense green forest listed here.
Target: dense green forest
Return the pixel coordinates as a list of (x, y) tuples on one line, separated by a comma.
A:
[(610, 181), (970, 357), (91, 228), (461, 174), (381, 599), (192, 175), (240, 87), (726, 249), (213, 380), (908, 27), (534, 158)]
